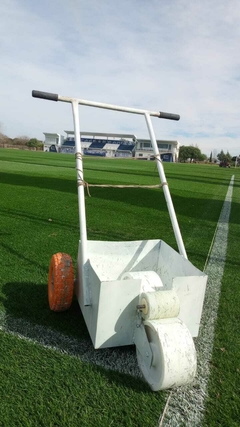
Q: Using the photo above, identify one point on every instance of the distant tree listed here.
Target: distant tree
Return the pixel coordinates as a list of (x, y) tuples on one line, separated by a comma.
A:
[(190, 152), (184, 153), (228, 157), (20, 140), (224, 157), (4, 139), (34, 142), (221, 156), (196, 153), (203, 157)]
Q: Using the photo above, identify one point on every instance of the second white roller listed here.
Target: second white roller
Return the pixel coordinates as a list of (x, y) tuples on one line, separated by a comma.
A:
[(160, 305)]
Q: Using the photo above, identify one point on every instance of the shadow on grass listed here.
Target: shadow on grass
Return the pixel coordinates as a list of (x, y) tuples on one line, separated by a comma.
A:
[(195, 205), (192, 206), (222, 179), (27, 259), (29, 301), (27, 216), (57, 184), (28, 315), (93, 234), (70, 185)]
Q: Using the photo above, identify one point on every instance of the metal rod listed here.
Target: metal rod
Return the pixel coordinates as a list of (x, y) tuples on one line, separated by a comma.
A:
[(141, 306), (108, 106), (56, 97), (81, 205), (166, 191)]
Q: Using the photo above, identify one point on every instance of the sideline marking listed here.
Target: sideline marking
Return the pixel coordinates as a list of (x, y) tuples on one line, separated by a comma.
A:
[(109, 358), (185, 406)]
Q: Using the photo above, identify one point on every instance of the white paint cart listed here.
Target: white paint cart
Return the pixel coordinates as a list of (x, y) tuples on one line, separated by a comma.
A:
[(133, 292)]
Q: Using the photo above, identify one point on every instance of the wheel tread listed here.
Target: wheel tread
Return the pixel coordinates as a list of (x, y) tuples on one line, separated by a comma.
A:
[(60, 282)]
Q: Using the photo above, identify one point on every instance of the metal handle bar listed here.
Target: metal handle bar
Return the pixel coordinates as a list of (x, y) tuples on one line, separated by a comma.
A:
[(83, 254), (55, 97)]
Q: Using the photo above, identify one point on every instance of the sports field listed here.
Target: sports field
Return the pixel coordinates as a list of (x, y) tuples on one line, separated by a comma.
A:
[(49, 373)]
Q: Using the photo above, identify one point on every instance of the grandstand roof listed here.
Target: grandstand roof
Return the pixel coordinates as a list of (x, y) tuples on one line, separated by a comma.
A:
[(163, 141), (105, 134)]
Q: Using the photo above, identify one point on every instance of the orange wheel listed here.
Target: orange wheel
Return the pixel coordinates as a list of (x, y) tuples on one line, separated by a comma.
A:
[(60, 282)]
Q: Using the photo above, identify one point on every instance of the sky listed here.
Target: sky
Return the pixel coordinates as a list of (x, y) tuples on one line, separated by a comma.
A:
[(178, 56)]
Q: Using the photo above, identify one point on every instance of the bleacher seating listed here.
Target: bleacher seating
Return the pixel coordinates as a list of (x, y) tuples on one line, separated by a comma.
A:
[(68, 143), (98, 145), (126, 147), (94, 153)]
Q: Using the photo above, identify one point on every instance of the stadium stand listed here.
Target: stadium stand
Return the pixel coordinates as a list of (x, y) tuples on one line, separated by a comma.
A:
[(101, 144), (68, 146), (97, 144), (111, 145), (125, 149)]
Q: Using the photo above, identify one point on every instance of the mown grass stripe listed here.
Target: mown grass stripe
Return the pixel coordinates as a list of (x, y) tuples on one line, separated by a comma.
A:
[(186, 405)]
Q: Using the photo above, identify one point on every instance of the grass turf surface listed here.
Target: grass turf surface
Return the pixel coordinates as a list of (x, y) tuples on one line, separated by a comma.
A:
[(39, 216), (223, 402), (44, 388)]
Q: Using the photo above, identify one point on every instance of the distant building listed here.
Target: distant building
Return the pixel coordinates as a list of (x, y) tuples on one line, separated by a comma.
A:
[(111, 145), (53, 141), (169, 150), (100, 144)]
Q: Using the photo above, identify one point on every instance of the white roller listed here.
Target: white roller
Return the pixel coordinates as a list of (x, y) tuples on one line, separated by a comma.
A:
[(160, 304), (150, 280), (174, 361)]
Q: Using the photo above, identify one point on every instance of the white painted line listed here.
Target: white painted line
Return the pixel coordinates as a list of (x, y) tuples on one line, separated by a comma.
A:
[(186, 405), (118, 359)]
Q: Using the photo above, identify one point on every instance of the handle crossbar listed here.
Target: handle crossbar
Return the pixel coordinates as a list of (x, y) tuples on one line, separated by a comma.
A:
[(55, 97)]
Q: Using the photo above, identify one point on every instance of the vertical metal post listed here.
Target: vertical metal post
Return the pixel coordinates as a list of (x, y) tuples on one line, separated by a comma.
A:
[(166, 191), (82, 270)]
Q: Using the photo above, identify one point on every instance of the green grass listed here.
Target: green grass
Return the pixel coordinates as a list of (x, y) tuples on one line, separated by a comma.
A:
[(38, 217), (44, 388), (223, 403)]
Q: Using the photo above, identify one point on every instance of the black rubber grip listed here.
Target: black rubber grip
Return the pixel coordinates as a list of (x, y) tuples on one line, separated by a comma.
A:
[(169, 116), (45, 95)]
